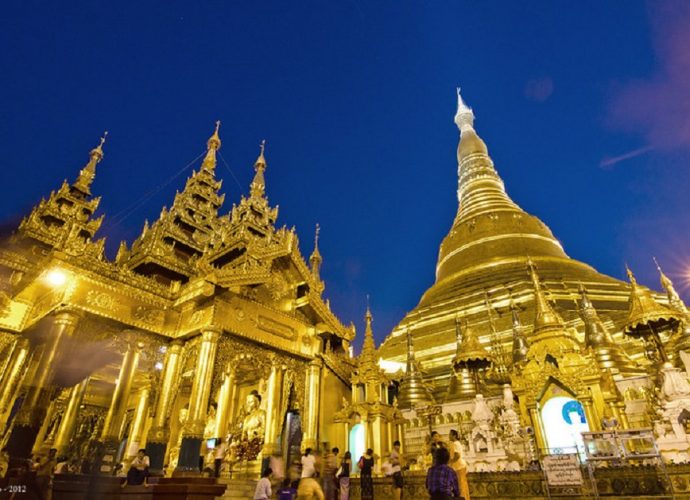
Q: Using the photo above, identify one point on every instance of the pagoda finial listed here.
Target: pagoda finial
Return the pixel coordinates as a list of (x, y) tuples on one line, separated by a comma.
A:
[(674, 299), (464, 117), (88, 173), (315, 259), (258, 186), (213, 145)]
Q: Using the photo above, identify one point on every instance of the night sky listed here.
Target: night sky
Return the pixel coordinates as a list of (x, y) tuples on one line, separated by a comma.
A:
[(585, 108)]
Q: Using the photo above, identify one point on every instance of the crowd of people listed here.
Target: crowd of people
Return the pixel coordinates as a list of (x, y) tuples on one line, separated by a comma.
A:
[(328, 476)]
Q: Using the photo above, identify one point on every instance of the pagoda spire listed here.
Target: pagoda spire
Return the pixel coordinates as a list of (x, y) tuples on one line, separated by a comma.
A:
[(413, 391), (88, 173), (520, 346), (488, 225), (368, 355), (258, 185), (674, 299), (546, 317), (213, 145), (597, 337), (480, 189), (315, 259)]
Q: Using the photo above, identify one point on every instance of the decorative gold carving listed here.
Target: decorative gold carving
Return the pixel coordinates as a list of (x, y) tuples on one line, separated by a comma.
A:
[(99, 299), (148, 315)]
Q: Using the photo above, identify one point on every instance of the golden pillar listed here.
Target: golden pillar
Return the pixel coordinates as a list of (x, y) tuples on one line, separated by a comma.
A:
[(12, 378), (141, 413), (64, 324), (377, 440), (538, 430), (118, 405), (274, 392), (193, 430), (159, 434), (310, 438), (69, 418), (590, 414), (618, 410), (224, 395), (32, 413)]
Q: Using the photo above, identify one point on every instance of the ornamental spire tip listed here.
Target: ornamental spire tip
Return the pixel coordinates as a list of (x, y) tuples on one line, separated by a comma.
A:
[(464, 117)]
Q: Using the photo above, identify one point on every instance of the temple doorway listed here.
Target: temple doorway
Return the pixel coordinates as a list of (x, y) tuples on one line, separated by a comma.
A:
[(564, 422), (357, 444), (292, 434)]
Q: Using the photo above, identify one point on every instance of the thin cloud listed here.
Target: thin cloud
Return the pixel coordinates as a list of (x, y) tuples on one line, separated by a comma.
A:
[(609, 162), (658, 107)]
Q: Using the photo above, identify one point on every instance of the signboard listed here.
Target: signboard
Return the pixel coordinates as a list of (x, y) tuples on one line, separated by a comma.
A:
[(562, 470)]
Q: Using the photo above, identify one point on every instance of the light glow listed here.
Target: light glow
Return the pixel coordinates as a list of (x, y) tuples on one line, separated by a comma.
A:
[(159, 366), (56, 277)]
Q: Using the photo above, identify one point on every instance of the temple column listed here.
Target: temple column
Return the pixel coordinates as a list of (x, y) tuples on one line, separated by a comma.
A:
[(141, 413), (69, 418), (590, 414), (13, 377), (310, 438), (274, 392), (118, 405), (33, 410), (193, 431), (538, 430), (377, 440), (618, 410), (8, 344), (224, 395), (159, 434)]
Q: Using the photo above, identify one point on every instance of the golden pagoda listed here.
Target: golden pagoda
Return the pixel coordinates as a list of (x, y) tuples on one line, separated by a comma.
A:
[(555, 347), (210, 325)]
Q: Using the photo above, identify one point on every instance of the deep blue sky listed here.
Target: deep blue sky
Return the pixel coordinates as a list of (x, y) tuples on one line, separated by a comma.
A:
[(356, 101)]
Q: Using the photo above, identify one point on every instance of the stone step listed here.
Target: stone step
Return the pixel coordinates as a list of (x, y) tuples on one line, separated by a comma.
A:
[(238, 488)]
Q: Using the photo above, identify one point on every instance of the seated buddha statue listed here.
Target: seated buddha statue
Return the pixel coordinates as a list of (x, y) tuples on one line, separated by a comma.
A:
[(254, 421)]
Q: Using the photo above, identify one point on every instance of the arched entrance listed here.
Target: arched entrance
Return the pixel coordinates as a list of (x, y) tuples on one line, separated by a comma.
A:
[(357, 444), (563, 420)]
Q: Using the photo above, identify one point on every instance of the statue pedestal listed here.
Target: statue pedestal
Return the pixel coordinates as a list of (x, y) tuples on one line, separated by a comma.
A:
[(674, 449)]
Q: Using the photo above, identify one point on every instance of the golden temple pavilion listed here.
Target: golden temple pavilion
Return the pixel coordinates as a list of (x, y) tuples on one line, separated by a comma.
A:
[(210, 326)]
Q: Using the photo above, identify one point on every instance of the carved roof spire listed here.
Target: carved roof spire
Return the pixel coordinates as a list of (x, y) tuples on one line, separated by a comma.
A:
[(674, 299), (609, 355), (644, 313), (258, 186), (413, 390), (546, 316), (213, 145), (88, 173), (315, 257), (470, 352)]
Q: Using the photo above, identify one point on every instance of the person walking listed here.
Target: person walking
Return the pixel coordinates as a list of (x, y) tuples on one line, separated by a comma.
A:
[(44, 472), (396, 471), (344, 476), (263, 487), (308, 463), (458, 464), (366, 465), (441, 480)]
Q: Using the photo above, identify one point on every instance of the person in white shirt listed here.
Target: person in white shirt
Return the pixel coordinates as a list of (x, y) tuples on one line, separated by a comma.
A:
[(396, 471), (308, 463), (458, 464), (139, 470), (263, 487)]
